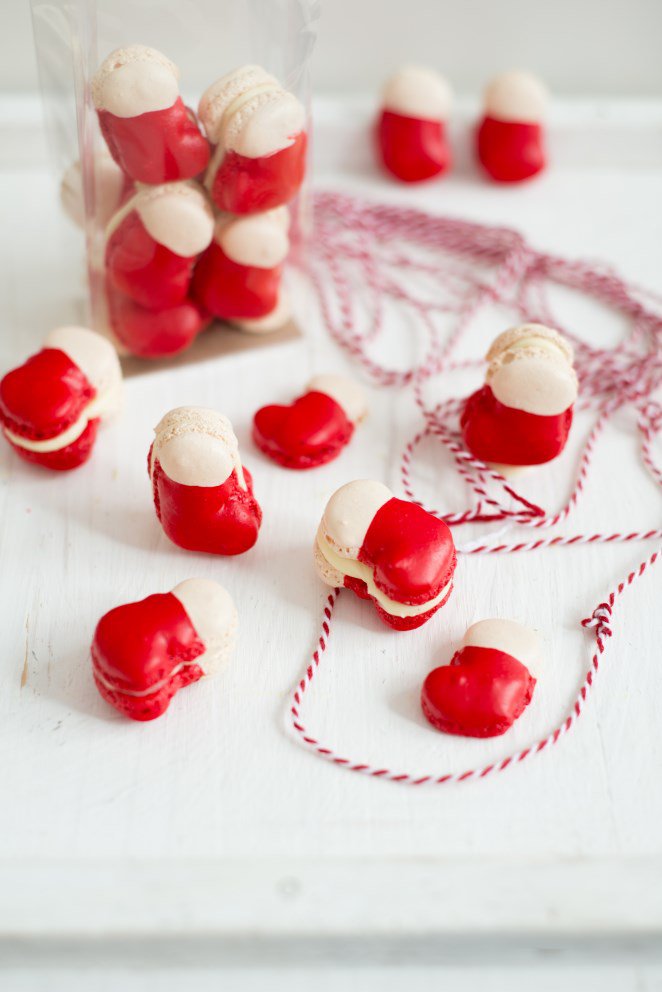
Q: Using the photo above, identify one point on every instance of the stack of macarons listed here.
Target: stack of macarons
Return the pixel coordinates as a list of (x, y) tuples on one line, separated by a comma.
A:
[(189, 193)]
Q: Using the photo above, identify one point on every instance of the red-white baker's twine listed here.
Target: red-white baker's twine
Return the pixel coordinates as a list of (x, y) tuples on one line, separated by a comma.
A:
[(364, 256)]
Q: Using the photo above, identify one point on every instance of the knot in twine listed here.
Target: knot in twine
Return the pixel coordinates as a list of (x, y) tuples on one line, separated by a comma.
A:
[(600, 619)]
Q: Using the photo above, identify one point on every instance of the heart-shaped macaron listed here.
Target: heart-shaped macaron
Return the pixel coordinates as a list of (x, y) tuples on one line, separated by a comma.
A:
[(313, 429), (145, 652), (487, 684)]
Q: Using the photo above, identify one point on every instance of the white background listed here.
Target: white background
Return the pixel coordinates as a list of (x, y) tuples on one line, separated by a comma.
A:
[(589, 47)]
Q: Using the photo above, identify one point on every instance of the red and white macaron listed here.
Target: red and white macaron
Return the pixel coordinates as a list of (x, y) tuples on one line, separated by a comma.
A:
[(149, 132), (523, 414), (154, 240), (313, 429), (511, 137), (412, 139), (111, 187), (388, 550), (52, 405), (154, 333), (488, 683), (258, 132), (145, 652), (203, 496), (239, 276)]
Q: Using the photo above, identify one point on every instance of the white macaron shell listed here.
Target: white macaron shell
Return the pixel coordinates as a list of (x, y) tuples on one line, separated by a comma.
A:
[(92, 353), (196, 446), (416, 91), (259, 240), (135, 80), (212, 612), (224, 91), (535, 384), (347, 394), (178, 217), (349, 513), (196, 460), (517, 97), (271, 127), (509, 636)]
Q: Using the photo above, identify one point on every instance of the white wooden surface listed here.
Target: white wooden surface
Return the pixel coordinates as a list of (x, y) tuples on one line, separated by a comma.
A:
[(211, 824)]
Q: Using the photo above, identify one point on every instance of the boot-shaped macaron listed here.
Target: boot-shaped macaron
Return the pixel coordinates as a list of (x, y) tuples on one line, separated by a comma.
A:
[(388, 550), (258, 132), (203, 496), (153, 241), (51, 406), (154, 333), (523, 413), (488, 683), (313, 429), (239, 276), (412, 139), (148, 130), (511, 138), (145, 652), (111, 187)]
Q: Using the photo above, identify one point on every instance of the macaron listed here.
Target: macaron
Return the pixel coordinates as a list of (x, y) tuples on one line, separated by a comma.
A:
[(111, 186), (154, 333), (258, 132), (154, 240), (151, 135), (510, 139), (523, 413), (239, 275), (143, 653), (203, 496), (52, 405), (314, 429), (387, 550), (488, 683), (412, 140)]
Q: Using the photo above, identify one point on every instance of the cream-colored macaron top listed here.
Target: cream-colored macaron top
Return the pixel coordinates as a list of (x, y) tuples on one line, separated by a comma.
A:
[(262, 121), (135, 80), (92, 353), (349, 513), (109, 185), (346, 392), (416, 91), (177, 215), (224, 91), (530, 368), (516, 96), (259, 240), (212, 612), (196, 446), (509, 636)]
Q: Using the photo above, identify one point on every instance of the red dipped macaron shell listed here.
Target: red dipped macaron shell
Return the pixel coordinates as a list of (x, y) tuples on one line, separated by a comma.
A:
[(510, 138), (149, 132), (313, 429), (154, 333), (412, 142), (523, 414), (203, 496), (239, 276), (258, 130), (488, 683), (388, 550), (153, 241), (51, 406), (143, 653)]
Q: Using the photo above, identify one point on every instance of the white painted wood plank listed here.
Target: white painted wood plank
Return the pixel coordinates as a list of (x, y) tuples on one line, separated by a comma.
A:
[(218, 778)]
